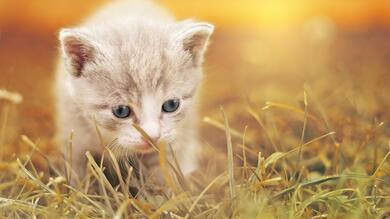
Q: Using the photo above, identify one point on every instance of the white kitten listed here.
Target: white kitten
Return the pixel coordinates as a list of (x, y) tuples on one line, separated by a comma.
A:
[(130, 63)]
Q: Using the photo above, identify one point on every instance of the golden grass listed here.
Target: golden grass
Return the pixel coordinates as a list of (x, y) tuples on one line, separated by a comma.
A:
[(325, 174)]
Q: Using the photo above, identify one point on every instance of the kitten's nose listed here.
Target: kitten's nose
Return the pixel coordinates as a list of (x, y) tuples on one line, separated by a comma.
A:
[(154, 138), (153, 131)]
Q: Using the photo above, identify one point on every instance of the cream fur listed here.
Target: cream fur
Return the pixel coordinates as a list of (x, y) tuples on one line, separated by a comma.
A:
[(130, 53)]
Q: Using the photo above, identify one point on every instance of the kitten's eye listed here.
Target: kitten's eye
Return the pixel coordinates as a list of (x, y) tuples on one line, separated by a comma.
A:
[(171, 105), (121, 111)]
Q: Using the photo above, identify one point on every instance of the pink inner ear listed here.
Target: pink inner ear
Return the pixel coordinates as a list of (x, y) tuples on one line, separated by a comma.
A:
[(78, 52), (195, 45), (195, 41)]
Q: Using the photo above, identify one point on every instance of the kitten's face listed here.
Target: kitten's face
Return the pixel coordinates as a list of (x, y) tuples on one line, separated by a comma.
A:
[(146, 76)]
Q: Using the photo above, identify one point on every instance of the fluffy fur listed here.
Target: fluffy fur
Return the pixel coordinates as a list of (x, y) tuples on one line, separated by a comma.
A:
[(130, 53)]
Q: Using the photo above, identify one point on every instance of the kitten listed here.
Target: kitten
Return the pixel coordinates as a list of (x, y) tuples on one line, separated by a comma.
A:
[(130, 63)]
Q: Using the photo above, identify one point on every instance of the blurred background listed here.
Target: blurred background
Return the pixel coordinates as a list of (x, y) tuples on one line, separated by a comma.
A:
[(262, 51)]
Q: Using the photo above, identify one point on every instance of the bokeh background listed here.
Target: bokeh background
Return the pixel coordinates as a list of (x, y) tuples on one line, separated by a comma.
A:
[(262, 51)]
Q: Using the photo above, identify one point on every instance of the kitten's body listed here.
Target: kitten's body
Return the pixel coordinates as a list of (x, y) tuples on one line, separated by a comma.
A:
[(130, 53)]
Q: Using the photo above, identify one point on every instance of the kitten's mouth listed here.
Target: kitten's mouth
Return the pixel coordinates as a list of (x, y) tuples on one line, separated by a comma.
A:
[(144, 148)]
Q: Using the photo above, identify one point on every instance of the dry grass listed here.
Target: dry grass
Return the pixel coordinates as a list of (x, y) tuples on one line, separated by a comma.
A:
[(306, 167), (278, 149)]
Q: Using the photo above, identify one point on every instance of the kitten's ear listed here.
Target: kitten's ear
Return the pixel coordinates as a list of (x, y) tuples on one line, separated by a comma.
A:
[(76, 49), (194, 38)]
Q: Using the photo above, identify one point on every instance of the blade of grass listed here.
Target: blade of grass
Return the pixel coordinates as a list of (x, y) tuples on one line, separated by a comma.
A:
[(258, 120), (99, 134), (23, 205), (145, 136), (316, 182), (69, 160), (222, 127), (138, 205), (164, 168), (270, 104), (39, 182), (179, 173), (258, 173), (3, 127), (245, 164), (382, 162), (161, 156), (278, 155), (169, 205), (302, 136), (321, 110), (34, 146), (94, 203), (230, 156), (201, 195), (102, 180), (114, 161)]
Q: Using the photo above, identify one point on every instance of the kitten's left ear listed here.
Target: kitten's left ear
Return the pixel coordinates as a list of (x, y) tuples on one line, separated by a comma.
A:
[(194, 38)]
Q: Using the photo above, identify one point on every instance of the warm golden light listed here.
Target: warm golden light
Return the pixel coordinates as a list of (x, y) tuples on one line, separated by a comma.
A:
[(248, 13), (294, 110), (280, 13)]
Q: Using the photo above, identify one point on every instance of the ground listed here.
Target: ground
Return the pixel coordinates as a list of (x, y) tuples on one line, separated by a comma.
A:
[(308, 111)]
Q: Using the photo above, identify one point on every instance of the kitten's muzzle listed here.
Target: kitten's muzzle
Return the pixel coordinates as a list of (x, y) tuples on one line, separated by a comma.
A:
[(145, 148), (155, 138), (145, 145)]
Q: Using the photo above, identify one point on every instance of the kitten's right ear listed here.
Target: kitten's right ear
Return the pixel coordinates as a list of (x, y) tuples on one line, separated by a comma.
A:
[(76, 49), (194, 38)]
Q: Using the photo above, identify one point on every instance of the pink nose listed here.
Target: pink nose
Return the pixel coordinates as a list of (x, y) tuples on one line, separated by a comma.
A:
[(152, 129), (155, 138)]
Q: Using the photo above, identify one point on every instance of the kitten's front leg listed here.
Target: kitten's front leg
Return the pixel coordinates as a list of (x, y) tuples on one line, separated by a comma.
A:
[(188, 157), (76, 157), (77, 162)]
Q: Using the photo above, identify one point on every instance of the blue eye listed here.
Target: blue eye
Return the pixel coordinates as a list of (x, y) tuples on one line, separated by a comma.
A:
[(121, 111), (171, 105)]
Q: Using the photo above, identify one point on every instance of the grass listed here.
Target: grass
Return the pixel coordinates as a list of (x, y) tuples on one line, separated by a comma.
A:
[(289, 161)]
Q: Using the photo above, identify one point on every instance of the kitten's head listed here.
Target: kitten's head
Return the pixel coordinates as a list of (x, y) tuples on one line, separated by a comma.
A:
[(143, 73)]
